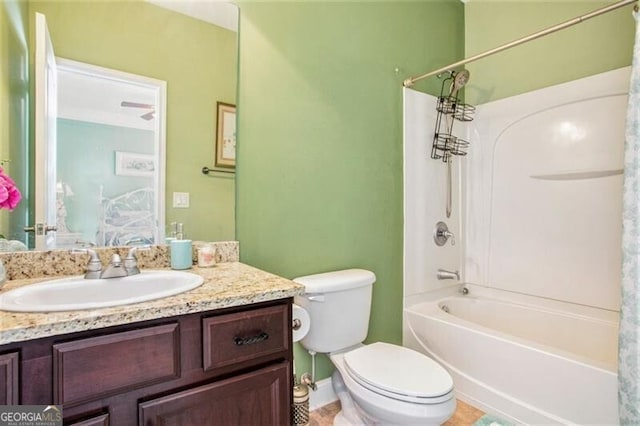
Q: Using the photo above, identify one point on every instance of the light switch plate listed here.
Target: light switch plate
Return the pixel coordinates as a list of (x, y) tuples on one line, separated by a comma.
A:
[(181, 200)]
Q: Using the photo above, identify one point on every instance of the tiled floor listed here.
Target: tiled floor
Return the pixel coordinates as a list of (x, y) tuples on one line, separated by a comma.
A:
[(323, 416), (465, 415)]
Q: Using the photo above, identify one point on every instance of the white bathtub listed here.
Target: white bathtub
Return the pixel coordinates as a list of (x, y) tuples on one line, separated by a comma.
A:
[(526, 359)]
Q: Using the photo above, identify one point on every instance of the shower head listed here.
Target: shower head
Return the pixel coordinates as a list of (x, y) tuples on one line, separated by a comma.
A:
[(459, 79)]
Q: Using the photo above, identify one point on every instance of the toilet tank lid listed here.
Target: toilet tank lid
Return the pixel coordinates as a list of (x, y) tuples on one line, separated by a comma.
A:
[(336, 281)]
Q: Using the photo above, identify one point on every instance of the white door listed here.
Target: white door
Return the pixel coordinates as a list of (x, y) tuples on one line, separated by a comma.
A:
[(45, 138)]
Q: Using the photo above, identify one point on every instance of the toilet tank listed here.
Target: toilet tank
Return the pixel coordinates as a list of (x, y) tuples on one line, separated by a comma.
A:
[(339, 304)]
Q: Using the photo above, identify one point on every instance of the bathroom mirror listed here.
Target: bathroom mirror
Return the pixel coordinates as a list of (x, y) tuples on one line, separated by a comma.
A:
[(198, 61)]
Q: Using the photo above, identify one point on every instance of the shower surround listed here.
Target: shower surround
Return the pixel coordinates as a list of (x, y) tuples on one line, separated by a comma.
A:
[(537, 216)]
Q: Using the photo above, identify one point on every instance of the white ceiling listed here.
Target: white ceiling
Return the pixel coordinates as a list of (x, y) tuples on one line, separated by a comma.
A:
[(223, 13), (91, 98)]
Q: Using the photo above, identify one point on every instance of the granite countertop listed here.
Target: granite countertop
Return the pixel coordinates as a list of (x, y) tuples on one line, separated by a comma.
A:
[(225, 285)]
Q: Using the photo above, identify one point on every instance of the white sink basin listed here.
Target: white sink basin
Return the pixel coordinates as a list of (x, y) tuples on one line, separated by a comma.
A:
[(73, 293)]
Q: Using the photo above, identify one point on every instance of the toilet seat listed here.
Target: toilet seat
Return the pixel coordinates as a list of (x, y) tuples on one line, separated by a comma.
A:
[(400, 373), (387, 410)]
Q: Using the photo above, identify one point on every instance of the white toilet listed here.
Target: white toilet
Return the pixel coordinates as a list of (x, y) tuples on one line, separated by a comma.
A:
[(379, 383)]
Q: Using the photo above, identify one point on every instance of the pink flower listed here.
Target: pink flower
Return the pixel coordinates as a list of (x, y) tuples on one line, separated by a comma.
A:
[(9, 194)]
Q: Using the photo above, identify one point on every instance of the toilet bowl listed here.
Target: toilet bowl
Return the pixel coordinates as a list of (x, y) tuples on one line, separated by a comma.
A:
[(378, 383), (411, 389)]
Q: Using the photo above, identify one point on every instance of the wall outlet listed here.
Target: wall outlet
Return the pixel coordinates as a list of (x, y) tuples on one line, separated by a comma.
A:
[(181, 200)]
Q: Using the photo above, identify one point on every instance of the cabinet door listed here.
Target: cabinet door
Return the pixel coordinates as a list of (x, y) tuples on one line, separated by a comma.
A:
[(257, 398), (9, 378)]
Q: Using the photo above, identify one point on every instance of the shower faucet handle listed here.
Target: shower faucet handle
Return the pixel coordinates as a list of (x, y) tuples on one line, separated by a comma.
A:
[(449, 234), (441, 234)]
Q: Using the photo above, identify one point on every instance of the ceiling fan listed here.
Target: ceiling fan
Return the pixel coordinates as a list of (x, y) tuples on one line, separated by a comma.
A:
[(146, 116)]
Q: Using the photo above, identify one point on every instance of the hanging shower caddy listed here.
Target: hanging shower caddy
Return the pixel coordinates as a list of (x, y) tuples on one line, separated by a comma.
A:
[(449, 108)]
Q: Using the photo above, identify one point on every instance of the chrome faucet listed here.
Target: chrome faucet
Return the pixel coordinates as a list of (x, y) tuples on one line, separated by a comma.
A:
[(131, 262), (443, 274), (94, 267), (115, 268)]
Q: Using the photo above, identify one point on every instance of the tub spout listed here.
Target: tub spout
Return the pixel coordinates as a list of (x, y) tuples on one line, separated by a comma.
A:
[(443, 274)]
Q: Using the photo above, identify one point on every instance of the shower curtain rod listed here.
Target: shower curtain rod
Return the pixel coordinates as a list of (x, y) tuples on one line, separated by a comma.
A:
[(410, 81)]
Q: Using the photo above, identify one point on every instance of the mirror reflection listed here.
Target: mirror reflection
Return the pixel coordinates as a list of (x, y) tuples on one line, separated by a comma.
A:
[(114, 123), (196, 59)]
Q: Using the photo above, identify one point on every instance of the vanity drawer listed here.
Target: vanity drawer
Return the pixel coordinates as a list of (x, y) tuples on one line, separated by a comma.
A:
[(246, 338), (92, 368)]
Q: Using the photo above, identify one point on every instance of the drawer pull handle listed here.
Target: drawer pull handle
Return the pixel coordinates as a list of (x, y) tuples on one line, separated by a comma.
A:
[(250, 340)]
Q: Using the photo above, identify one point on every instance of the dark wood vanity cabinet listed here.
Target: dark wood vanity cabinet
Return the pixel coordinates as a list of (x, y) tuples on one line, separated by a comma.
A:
[(9, 372), (226, 367)]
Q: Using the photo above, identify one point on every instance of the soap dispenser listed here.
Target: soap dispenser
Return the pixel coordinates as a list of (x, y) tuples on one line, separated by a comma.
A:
[(180, 249)]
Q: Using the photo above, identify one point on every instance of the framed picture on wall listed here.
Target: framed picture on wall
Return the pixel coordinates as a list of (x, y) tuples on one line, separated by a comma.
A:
[(134, 164), (226, 136)]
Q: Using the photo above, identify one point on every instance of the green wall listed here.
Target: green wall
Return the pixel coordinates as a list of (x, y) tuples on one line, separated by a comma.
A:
[(597, 45), (319, 185), (198, 61), (14, 103), (320, 137)]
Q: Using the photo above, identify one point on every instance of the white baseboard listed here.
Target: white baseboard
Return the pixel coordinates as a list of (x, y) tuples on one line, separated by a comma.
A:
[(323, 395)]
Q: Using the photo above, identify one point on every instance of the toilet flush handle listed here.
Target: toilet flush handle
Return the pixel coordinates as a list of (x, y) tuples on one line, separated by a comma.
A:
[(316, 297)]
